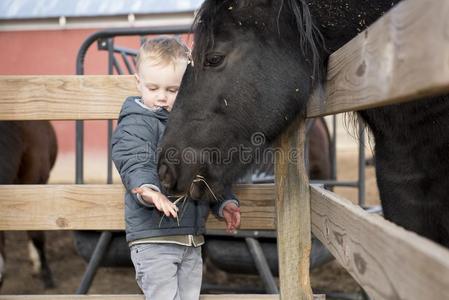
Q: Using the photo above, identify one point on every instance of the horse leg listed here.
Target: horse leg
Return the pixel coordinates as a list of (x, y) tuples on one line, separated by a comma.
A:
[(37, 162), (36, 247), (36, 243), (11, 150)]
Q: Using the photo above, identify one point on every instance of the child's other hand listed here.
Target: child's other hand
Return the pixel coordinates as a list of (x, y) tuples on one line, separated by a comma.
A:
[(158, 200), (231, 214)]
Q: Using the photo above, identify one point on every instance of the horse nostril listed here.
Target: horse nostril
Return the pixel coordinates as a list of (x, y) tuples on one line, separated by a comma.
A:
[(167, 175)]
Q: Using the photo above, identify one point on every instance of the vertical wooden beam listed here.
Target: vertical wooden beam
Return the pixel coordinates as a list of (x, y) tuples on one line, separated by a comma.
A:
[(293, 214)]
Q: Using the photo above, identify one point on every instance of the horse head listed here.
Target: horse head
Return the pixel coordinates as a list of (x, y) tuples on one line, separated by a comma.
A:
[(255, 64)]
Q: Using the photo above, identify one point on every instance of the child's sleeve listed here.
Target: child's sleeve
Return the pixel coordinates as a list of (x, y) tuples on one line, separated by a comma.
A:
[(134, 145), (227, 197)]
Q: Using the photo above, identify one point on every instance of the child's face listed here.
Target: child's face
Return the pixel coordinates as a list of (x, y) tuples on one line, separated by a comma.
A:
[(159, 84)]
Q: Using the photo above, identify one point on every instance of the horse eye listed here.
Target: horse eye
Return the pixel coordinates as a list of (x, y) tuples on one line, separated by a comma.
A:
[(213, 60)]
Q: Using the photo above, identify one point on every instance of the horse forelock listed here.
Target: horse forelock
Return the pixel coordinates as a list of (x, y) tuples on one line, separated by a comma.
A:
[(203, 28), (213, 13)]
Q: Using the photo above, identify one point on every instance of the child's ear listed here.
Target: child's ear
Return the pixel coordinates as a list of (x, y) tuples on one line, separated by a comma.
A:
[(138, 82)]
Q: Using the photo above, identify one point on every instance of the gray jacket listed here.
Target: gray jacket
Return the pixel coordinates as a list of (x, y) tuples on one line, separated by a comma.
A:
[(134, 152)]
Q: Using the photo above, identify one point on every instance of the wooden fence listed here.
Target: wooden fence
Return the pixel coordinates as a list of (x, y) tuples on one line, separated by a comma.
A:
[(402, 57)]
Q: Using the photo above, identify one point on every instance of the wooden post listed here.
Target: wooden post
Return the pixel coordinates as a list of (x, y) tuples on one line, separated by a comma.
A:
[(293, 214)]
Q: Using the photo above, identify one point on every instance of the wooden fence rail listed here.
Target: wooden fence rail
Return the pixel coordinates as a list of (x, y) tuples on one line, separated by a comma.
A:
[(68, 97), (136, 297), (100, 207), (388, 261), (140, 297)]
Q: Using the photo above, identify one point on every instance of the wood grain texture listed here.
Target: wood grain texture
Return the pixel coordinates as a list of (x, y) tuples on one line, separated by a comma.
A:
[(134, 297), (64, 97), (256, 205), (388, 261), (293, 215), (402, 57), (100, 207), (140, 297)]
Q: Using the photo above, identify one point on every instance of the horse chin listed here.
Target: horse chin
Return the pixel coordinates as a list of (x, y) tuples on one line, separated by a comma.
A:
[(172, 179), (176, 188), (197, 192), (206, 189), (166, 176)]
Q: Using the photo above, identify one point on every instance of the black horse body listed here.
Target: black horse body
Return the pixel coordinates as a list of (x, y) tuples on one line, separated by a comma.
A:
[(256, 64)]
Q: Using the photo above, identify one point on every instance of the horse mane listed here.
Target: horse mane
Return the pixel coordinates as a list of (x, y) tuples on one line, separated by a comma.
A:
[(310, 37), (311, 40)]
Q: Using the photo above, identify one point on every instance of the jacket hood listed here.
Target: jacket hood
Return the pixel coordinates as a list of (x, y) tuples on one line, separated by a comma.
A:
[(133, 105)]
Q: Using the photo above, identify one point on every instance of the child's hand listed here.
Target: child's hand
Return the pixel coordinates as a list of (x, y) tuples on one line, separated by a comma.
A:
[(231, 214), (158, 200)]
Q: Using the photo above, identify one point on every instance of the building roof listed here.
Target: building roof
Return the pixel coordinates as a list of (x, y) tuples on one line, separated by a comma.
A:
[(37, 9)]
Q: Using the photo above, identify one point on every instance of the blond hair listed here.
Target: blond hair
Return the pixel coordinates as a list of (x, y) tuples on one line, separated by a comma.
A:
[(162, 50)]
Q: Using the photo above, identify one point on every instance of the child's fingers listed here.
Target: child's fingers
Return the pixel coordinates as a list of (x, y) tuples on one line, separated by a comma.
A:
[(233, 222), (230, 228), (172, 208), (232, 209), (166, 210), (166, 207), (173, 212), (229, 223), (237, 220), (175, 208), (169, 210), (158, 205)]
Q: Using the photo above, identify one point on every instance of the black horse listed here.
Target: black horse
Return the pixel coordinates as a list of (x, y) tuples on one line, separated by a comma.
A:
[(256, 63), (28, 151)]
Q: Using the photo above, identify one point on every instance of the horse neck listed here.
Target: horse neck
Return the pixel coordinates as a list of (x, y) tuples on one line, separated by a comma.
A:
[(340, 21)]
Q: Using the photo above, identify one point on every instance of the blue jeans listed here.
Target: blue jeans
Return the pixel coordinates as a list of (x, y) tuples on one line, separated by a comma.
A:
[(168, 271)]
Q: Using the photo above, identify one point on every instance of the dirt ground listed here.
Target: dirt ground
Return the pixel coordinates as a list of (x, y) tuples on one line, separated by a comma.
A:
[(68, 267)]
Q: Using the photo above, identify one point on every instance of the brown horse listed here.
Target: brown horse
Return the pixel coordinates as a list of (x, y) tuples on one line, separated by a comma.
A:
[(28, 151), (319, 144), (319, 154)]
